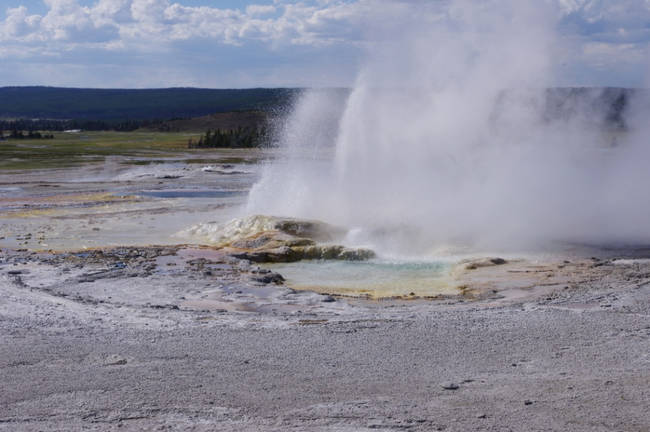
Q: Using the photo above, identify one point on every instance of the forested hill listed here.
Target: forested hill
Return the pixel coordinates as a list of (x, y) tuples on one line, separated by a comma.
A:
[(131, 104), (131, 108)]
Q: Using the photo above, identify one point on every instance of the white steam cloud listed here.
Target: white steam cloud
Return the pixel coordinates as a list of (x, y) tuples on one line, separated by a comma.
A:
[(450, 137)]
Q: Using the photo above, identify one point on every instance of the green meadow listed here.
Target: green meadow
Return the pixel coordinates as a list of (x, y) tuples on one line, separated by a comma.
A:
[(70, 149)]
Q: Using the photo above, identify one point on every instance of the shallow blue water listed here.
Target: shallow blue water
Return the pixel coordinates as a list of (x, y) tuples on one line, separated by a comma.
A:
[(377, 277)]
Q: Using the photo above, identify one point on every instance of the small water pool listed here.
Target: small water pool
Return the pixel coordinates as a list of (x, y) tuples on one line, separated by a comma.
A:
[(375, 278)]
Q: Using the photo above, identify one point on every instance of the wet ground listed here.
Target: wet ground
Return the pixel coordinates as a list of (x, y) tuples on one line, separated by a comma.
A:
[(123, 200)]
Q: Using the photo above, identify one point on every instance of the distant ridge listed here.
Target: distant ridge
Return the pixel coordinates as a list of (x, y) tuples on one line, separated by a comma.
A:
[(225, 121), (135, 104), (606, 104)]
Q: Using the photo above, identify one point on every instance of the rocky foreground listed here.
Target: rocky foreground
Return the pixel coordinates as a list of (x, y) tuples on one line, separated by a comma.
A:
[(189, 338)]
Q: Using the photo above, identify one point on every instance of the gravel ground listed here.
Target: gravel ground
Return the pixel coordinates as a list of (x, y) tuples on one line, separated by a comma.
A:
[(174, 338)]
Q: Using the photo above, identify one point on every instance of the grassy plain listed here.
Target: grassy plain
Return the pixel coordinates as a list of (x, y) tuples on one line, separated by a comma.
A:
[(70, 149)]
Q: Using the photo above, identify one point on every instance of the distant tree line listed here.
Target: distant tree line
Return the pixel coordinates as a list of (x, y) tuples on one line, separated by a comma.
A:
[(136, 104), (234, 138), (19, 134), (88, 125), (603, 106)]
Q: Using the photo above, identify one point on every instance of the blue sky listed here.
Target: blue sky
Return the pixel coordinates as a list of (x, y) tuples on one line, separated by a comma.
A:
[(228, 43)]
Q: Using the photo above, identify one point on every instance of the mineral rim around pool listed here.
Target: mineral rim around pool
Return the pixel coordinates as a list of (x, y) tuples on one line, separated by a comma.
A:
[(308, 254), (267, 239)]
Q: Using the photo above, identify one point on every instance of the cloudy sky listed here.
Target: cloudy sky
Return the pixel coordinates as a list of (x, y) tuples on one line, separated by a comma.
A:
[(249, 43)]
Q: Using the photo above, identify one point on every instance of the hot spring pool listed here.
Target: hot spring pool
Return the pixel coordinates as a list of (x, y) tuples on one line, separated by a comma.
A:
[(375, 278)]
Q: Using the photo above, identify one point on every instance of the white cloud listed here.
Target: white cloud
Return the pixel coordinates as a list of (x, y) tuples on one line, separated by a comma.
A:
[(18, 23), (603, 54), (163, 21), (255, 10), (314, 22), (601, 32)]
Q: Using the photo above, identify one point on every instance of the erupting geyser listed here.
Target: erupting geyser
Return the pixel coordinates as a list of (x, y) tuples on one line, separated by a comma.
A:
[(451, 136)]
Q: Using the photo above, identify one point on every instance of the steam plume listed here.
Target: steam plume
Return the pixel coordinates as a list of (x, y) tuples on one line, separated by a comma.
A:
[(451, 137)]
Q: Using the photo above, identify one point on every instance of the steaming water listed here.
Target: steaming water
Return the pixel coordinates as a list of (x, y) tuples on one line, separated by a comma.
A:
[(449, 140), (450, 144), (375, 278)]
